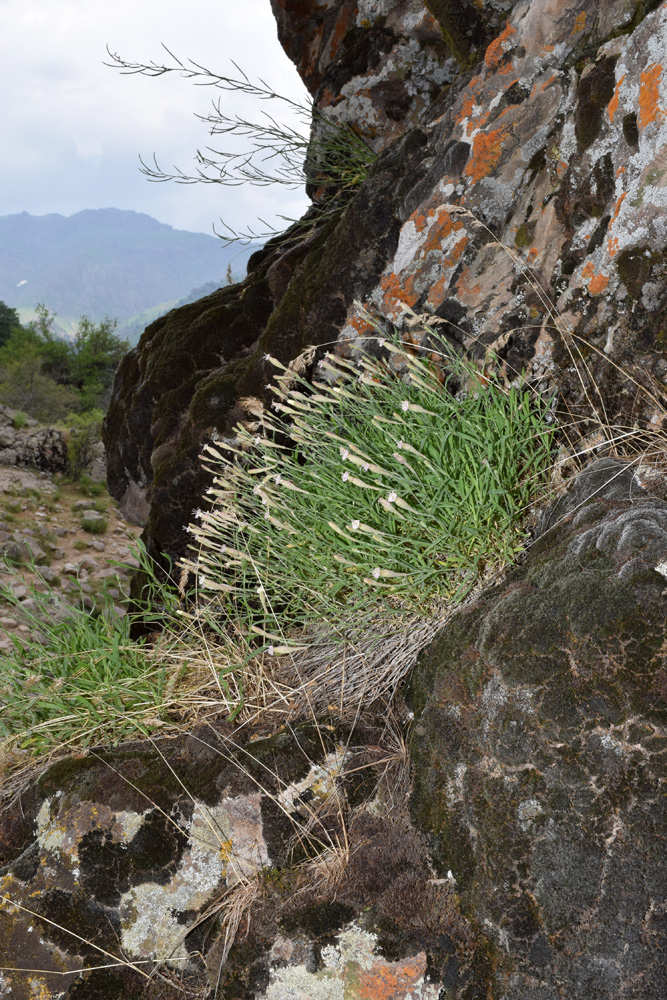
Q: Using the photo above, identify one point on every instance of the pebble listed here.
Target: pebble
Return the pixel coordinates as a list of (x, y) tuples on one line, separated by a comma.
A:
[(70, 569), (10, 623)]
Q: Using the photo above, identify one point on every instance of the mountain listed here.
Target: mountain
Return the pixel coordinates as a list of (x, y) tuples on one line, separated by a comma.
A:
[(106, 262)]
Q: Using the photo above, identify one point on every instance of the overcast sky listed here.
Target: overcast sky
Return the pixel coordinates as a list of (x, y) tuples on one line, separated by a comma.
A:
[(72, 129)]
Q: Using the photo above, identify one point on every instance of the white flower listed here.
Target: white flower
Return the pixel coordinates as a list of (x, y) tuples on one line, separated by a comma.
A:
[(202, 581), (344, 453), (223, 549), (257, 439), (365, 466), (381, 341), (270, 650), (196, 513), (345, 476), (376, 573), (266, 515), (277, 479), (400, 444), (405, 405), (260, 589), (392, 497), (354, 525)]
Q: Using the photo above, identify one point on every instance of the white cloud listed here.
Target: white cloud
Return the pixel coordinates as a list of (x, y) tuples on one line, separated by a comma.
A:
[(73, 129)]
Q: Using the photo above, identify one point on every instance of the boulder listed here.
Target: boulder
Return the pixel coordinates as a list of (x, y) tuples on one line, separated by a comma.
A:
[(44, 449), (538, 753), (122, 863)]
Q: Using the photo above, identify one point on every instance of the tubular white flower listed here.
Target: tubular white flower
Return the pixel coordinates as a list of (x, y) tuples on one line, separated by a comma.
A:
[(355, 525), (270, 651), (345, 476), (344, 453), (405, 405), (392, 497), (376, 573)]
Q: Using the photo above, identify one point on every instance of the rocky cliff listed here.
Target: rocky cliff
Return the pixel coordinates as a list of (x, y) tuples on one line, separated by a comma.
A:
[(534, 126)]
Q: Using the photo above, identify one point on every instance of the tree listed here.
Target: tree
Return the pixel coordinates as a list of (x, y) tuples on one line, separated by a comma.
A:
[(9, 321), (96, 355), (50, 377)]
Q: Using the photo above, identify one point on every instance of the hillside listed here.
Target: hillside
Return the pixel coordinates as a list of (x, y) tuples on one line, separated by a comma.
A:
[(105, 262)]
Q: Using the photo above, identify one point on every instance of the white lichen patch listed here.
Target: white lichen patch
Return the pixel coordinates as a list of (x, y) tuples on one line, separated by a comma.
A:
[(351, 970), (527, 811), (661, 568), (60, 832), (319, 783), (614, 745), (224, 843), (297, 983), (127, 826)]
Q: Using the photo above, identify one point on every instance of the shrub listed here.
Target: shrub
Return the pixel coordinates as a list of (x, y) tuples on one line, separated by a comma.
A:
[(84, 431), (20, 420), (366, 486)]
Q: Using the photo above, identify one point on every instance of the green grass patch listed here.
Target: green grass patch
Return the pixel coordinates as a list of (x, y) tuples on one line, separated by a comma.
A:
[(95, 525), (87, 682), (399, 480)]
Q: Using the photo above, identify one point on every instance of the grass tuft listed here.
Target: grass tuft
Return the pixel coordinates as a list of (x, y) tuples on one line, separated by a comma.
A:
[(403, 480)]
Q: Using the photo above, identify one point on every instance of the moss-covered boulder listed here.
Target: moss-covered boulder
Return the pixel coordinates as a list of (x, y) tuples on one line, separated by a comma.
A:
[(538, 754)]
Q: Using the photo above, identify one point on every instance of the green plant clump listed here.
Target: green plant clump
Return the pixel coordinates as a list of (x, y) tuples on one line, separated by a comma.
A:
[(94, 525), (78, 679), (85, 682), (367, 485)]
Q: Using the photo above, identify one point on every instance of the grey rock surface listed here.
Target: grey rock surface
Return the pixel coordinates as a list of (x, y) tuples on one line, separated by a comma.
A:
[(539, 753)]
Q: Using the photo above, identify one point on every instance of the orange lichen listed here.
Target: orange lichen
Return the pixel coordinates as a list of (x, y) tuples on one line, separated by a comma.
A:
[(649, 95), (487, 149), (548, 83), (442, 227), (394, 290), (617, 207), (612, 107), (597, 283), (470, 99), (498, 47), (612, 246), (390, 980), (579, 23)]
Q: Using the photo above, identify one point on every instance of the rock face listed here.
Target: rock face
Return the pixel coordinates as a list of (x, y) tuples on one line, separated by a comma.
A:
[(538, 755), (518, 196)]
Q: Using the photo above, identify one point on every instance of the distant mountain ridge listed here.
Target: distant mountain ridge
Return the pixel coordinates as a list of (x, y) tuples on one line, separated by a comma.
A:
[(106, 262)]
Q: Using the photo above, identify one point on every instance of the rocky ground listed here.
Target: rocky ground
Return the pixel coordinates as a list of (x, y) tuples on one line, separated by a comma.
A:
[(58, 536)]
